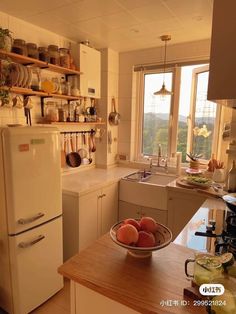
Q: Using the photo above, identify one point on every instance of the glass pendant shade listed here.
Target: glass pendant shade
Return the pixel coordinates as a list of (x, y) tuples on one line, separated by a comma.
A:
[(163, 91)]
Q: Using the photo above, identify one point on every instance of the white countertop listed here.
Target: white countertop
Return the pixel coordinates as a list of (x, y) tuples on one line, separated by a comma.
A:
[(83, 182)]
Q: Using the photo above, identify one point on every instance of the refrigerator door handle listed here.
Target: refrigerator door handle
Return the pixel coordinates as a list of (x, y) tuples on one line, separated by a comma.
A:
[(24, 221), (24, 245)]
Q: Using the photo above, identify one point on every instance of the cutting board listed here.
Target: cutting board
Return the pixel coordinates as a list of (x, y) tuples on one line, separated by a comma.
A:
[(184, 184), (208, 191)]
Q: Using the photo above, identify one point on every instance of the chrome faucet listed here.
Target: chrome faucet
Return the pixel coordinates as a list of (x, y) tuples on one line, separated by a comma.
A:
[(160, 159)]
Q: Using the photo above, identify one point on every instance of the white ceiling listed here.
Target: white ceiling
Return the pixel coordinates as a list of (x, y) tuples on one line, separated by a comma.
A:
[(122, 25)]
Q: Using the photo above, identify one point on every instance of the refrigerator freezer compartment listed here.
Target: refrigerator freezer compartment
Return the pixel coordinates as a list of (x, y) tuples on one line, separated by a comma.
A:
[(35, 256)]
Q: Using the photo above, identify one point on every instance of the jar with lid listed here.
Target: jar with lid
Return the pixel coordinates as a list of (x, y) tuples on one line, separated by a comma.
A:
[(54, 56), (43, 54), (64, 57), (51, 111), (62, 114), (32, 50), (71, 112), (19, 47), (63, 85)]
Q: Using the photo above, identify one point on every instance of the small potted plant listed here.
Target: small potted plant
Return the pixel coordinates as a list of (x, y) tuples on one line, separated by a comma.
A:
[(4, 81), (194, 160), (5, 39)]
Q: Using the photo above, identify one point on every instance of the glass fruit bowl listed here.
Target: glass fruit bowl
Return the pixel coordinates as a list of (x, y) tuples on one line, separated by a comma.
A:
[(163, 237)]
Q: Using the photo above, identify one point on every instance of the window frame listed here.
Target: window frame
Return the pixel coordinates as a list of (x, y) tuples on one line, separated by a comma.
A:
[(174, 110), (191, 117)]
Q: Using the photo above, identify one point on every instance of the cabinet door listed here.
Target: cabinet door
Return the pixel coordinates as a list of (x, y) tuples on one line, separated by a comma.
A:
[(88, 219), (128, 210), (90, 66), (157, 214), (35, 256), (109, 209), (181, 208)]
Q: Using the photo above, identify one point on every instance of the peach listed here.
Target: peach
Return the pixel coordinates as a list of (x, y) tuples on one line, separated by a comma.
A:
[(146, 239), (148, 224), (127, 234), (133, 222)]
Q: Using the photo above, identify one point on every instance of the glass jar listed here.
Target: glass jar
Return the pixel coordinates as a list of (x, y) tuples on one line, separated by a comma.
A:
[(19, 47), (62, 113), (43, 54), (71, 112), (54, 56), (32, 50), (51, 111), (63, 86), (64, 57)]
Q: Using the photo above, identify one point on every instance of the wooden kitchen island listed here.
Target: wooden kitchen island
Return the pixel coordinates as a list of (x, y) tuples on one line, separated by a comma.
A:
[(105, 279)]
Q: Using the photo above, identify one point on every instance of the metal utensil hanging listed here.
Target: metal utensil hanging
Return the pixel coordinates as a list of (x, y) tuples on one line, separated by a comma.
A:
[(114, 116)]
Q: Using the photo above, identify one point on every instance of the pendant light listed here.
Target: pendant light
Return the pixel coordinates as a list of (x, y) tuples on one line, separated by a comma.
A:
[(163, 91)]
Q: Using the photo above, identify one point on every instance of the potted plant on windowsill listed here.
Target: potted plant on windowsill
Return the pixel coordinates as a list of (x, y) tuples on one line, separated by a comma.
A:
[(5, 39), (194, 160)]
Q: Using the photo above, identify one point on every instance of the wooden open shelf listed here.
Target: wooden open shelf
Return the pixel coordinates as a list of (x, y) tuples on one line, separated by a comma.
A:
[(38, 63), (30, 92), (78, 123)]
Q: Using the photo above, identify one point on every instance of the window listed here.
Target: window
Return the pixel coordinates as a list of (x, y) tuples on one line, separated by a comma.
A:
[(182, 122), (156, 117)]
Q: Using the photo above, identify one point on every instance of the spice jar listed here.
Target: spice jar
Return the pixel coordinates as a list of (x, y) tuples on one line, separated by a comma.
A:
[(19, 47), (43, 54), (32, 50), (64, 57), (54, 56), (62, 112), (51, 112)]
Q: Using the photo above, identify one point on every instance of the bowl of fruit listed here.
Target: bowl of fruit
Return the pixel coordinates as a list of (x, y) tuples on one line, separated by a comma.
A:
[(140, 236)]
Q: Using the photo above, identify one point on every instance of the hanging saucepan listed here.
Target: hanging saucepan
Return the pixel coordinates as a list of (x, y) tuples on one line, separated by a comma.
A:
[(114, 116), (73, 159)]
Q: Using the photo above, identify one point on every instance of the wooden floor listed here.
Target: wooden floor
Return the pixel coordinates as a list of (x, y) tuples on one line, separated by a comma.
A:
[(58, 304)]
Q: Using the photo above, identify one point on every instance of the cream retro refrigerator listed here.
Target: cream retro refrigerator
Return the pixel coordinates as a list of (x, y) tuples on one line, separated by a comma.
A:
[(30, 217)]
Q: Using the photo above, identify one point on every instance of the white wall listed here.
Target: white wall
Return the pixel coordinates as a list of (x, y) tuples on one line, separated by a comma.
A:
[(127, 96), (106, 154)]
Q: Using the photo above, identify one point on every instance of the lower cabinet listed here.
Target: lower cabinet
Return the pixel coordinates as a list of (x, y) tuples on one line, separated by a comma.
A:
[(87, 217), (181, 208), (129, 210)]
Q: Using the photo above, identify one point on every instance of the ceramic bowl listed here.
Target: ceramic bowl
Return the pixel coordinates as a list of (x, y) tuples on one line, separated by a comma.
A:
[(163, 238)]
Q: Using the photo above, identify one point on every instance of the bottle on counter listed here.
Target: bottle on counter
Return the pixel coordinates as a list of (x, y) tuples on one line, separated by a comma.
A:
[(232, 178)]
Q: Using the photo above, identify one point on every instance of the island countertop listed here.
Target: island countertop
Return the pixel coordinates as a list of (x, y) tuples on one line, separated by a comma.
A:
[(140, 284)]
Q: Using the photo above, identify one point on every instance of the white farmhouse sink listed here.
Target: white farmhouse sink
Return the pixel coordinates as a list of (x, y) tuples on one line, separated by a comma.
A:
[(150, 191), (159, 179)]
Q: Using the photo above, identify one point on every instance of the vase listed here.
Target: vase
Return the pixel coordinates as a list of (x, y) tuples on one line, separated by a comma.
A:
[(218, 175)]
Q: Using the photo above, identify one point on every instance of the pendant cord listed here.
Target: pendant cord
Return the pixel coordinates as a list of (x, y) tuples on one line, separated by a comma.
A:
[(164, 63)]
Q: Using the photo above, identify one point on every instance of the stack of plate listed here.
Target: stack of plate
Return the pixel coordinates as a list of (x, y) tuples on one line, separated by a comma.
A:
[(19, 75)]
